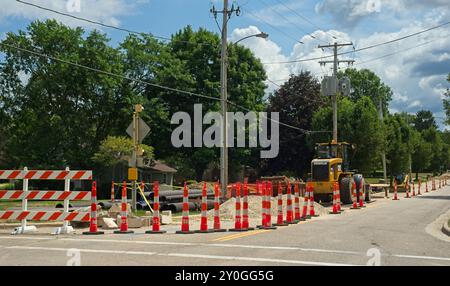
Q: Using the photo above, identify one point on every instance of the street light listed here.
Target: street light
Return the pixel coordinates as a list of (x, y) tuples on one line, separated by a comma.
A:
[(261, 35), (224, 100)]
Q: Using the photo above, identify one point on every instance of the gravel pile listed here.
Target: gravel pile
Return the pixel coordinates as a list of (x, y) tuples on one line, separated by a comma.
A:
[(227, 209)]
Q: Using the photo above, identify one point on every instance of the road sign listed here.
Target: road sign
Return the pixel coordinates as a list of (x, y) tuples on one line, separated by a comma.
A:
[(132, 174), (143, 130)]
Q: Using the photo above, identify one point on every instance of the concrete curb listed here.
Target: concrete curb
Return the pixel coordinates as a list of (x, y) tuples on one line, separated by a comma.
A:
[(13, 225), (446, 228)]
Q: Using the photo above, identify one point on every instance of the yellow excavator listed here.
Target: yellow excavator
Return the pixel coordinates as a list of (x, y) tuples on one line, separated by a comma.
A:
[(332, 165)]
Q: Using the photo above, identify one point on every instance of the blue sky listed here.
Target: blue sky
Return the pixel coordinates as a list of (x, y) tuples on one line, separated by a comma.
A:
[(416, 73)]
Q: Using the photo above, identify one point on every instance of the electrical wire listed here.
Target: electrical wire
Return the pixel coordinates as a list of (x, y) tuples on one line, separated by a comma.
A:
[(106, 25), (305, 19), (150, 84), (362, 49)]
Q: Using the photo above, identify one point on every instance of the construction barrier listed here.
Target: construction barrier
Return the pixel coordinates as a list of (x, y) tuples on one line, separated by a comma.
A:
[(335, 209), (280, 220), (217, 225), (312, 210), (305, 214), (238, 213), (395, 191), (25, 194), (245, 219), (289, 209), (419, 187), (354, 198), (156, 221), (93, 226), (266, 205), (407, 190), (297, 214), (124, 213), (204, 214), (362, 194), (185, 214)]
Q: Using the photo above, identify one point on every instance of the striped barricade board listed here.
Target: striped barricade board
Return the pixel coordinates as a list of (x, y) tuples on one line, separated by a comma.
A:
[(44, 175), (45, 195), (45, 216)]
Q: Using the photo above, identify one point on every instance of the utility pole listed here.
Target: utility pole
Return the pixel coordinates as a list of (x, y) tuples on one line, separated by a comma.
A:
[(227, 13), (383, 154), (335, 63)]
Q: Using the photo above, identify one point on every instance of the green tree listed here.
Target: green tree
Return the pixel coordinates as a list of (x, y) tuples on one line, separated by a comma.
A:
[(59, 115), (424, 119), (446, 102), (196, 68), (357, 124), (296, 101), (399, 135), (365, 82)]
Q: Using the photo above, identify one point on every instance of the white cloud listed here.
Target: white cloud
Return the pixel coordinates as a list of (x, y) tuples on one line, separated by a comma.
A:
[(105, 11), (417, 73)]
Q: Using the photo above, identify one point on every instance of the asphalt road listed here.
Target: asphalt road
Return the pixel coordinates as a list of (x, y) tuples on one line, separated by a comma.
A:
[(399, 231)]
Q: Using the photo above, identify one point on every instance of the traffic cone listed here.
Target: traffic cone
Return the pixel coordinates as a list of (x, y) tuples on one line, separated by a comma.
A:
[(426, 186), (204, 214), (261, 187), (124, 212), (419, 186), (267, 190), (433, 184), (297, 214), (305, 214), (312, 211), (156, 222), (354, 199), (280, 221), (185, 214), (395, 191), (238, 214), (361, 194), (245, 222), (413, 189), (113, 195), (407, 190), (338, 197), (217, 224), (93, 227), (335, 204), (289, 210)]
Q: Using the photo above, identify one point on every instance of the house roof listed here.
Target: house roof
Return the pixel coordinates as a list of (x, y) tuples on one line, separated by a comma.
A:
[(159, 166)]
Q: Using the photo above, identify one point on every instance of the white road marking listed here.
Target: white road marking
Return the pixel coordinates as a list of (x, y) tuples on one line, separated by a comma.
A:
[(224, 245), (186, 255), (421, 257), (256, 259), (81, 250)]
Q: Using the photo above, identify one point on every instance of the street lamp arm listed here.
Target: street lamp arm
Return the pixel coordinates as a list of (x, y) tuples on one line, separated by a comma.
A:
[(259, 35)]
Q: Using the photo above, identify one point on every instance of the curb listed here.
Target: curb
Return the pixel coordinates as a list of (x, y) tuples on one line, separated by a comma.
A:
[(13, 225), (446, 228)]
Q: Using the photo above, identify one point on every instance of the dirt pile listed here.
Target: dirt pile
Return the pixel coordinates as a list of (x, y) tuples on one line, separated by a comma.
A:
[(227, 209)]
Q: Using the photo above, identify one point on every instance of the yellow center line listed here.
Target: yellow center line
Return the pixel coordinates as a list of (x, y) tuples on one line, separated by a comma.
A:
[(239, 235)]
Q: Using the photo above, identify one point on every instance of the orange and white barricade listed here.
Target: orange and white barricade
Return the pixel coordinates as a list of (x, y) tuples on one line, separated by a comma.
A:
[(25, 194)]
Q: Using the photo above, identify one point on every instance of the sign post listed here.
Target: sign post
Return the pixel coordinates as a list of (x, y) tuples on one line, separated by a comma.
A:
[(137, 130)]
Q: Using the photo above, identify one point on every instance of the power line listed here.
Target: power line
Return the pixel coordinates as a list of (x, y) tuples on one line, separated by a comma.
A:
[(275, 28), (361, 49), (305, 19), (148, 83), (380, 57), (106, 25), (296, 25)]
